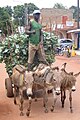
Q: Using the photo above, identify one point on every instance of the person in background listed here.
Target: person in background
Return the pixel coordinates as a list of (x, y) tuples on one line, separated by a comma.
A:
[(35, 40)]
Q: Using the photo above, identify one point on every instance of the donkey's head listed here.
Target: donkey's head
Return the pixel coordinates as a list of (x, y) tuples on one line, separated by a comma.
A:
[(74, 81), (57, 81), (53, 79), (28, 79)]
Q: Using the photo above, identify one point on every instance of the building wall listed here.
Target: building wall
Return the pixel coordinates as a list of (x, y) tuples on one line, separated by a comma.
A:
[(51, 15)]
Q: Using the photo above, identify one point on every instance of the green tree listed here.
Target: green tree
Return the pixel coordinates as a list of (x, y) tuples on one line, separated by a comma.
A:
[(74, 9), (19, 13), (59, 6), (5, 25), (9, 10), (31, 8)]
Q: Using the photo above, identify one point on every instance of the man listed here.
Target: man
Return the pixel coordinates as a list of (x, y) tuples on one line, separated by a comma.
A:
[(35, 40)]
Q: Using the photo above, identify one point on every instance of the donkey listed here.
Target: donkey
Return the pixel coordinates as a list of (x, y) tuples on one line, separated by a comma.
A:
[(48, 79), (68, 81), (22, 80)]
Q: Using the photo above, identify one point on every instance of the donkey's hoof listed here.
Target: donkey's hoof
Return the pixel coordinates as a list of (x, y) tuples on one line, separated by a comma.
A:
[(71, 111), (35, 100), (46, 111), (15, 102), (28, 114), (62, 105), (21, 114), (52, 109), (44, 105)]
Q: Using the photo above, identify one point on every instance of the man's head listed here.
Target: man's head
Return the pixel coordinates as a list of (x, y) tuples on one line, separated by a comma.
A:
[(36, 15)]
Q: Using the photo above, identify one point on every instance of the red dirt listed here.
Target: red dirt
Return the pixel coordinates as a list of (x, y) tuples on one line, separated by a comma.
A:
[(9, 111)]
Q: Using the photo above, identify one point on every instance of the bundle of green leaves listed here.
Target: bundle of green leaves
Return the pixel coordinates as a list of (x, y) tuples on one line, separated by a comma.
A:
[(50, 42), (14, 50)]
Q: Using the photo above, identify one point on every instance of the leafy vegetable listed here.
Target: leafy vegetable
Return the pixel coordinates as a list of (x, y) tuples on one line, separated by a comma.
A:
[(14, 50)]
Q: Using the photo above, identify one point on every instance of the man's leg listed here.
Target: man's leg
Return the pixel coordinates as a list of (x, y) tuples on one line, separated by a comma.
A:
[(42, 57), (31, 54)]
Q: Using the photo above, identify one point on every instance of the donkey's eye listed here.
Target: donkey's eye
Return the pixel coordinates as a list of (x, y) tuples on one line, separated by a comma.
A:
[(54, 80), (26, 83)]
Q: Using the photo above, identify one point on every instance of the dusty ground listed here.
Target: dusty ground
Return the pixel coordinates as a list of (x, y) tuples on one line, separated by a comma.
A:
[(9, 111)]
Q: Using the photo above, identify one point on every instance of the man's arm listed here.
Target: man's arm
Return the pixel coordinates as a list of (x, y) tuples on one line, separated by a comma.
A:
[(28, 29), (41, 37)]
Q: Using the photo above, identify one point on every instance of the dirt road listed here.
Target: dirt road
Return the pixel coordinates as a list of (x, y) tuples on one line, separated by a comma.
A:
[(9, 111)]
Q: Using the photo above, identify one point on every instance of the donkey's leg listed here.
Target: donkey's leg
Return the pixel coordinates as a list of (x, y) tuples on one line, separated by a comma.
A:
[(54, 100), (21, 101), (17, 91), (15, 95), (70, 99), (45, 100), (62, 97), (35, 97), (29, 107)]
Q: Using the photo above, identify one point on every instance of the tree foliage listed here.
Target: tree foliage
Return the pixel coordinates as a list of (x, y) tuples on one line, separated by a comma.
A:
[(8, 9), (4, 21), (74, 9), (59, 6), (31, 8), (20, 12)]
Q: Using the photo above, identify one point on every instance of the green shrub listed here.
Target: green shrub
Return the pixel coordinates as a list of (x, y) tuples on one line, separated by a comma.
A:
[(14, 50)]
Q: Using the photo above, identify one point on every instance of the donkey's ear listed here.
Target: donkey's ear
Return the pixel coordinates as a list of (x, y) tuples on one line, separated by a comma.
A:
[(33, 74), (55, 68), (64, 65), (71, 73), (77, 74)]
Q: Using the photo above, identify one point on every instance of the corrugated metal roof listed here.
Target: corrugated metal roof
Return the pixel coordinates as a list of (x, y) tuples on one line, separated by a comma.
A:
[(74, 31)]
